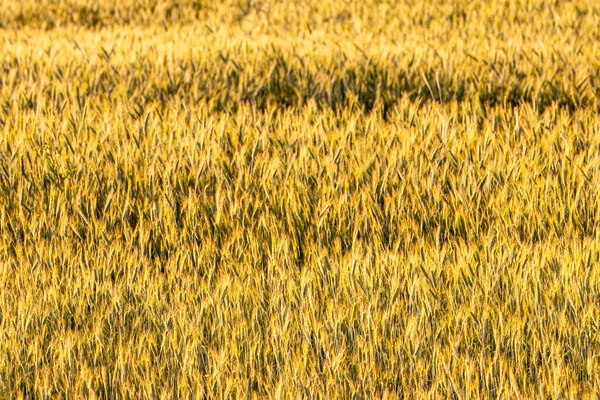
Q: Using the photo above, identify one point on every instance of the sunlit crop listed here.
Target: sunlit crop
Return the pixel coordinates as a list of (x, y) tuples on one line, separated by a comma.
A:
[(299, 199)]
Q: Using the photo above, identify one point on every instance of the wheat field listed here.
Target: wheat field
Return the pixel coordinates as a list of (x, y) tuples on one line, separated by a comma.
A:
[(282, 199)]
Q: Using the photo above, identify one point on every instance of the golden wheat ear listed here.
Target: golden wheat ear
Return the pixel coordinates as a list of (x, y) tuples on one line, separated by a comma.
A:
[(299, 199)]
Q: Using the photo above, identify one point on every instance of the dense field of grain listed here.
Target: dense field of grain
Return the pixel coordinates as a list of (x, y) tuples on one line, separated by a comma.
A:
[(316, 199)]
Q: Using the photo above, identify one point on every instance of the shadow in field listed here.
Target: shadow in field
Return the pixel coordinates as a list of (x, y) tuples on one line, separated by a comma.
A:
[(273, 80)]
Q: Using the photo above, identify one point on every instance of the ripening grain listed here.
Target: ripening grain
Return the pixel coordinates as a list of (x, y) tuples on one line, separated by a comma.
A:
[(314, 199)]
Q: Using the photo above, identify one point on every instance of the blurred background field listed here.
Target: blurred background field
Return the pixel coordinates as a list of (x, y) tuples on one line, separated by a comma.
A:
[(299, 199)]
